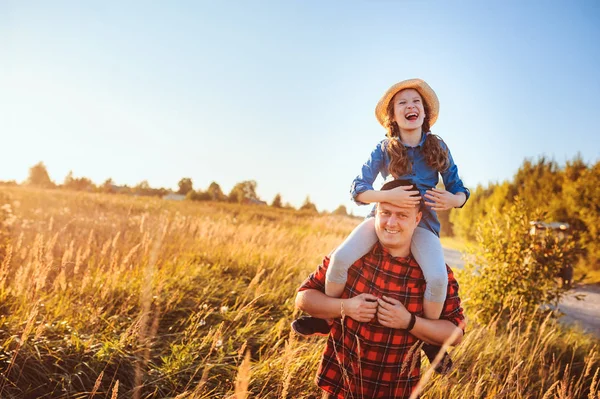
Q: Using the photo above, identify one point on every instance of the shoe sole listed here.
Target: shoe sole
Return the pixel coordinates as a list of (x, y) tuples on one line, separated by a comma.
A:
[(316, 334)]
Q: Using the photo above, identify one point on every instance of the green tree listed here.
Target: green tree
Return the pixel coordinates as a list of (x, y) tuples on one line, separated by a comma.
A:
[(8, 183), (308, 206), (68, 179), (568, 194), (511, 268), (142, 188), (78, 183), (582, 205), (575, 168), (198, 196), (38, 176), (539, 184), (277, 201), (242, 191), (341, 210), (185, 186), (215, 192), (107, 186), (481, 202)]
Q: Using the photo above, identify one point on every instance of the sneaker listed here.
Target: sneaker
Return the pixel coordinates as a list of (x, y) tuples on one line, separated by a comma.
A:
[(431, 352), (307, 326)]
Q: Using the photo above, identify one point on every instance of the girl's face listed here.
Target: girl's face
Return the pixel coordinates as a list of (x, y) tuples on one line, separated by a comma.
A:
[(409, 111)]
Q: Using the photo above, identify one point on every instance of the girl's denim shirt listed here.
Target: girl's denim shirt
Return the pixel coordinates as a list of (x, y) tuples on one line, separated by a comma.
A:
[(423, 176)]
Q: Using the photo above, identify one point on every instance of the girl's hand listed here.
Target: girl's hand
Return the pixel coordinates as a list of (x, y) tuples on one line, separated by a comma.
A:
[(403, 197), (442, 200)]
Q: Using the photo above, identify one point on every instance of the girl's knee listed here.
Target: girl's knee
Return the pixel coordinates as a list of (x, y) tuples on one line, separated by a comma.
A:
[(437, 280), (437, 287), (434, 294)]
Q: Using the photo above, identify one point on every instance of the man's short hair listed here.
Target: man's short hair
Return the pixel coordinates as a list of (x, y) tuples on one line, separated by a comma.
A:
[(398, 183)]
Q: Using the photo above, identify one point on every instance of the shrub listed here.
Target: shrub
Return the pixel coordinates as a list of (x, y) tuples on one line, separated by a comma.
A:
[(510, 267)]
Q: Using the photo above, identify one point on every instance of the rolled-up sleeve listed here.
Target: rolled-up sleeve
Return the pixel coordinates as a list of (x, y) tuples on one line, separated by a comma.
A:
[(452, 311), (316, 281), (452, 181), (369, 171)]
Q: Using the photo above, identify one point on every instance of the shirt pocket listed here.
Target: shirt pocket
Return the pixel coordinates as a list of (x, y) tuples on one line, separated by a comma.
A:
[(400, 289)]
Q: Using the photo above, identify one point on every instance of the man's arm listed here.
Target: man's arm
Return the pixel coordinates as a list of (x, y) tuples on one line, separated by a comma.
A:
[(360, 308), (391, 313), (437, 331)]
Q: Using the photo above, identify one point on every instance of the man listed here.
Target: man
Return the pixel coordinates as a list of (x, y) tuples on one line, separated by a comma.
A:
[(373, 348)]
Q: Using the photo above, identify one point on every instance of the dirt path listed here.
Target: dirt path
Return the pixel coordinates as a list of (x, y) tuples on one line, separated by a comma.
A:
[(585, 312)]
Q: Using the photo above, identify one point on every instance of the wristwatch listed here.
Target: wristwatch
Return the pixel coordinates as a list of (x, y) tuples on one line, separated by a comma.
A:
[(411, 323)]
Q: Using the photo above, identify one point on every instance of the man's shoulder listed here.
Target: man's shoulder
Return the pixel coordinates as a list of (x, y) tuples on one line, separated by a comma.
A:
[(450, 273), (316, 280)]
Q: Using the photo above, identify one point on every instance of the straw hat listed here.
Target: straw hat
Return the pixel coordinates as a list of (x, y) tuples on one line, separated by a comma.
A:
[(419, 85)]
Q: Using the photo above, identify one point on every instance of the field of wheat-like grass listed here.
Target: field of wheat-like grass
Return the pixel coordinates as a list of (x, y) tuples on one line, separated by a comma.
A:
[(117, 296)]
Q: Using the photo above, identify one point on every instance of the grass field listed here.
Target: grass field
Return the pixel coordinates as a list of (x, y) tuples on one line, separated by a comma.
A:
[(115, 296)]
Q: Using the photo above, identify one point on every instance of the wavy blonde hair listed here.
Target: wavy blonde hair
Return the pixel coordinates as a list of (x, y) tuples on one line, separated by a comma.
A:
[(436, 155)]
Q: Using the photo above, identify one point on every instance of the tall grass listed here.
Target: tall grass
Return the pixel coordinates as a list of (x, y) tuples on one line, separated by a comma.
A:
[(114, 296)]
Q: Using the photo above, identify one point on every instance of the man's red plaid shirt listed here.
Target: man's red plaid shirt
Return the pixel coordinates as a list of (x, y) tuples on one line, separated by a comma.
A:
[(378, 362)]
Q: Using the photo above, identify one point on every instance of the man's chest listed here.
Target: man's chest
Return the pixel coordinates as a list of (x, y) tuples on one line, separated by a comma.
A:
[(403, 282)]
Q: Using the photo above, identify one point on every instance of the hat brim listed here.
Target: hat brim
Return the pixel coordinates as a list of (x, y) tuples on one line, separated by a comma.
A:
[(419, 85)]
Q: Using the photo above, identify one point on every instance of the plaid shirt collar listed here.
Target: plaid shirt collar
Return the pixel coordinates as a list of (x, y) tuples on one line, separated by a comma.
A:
[(380, 250)]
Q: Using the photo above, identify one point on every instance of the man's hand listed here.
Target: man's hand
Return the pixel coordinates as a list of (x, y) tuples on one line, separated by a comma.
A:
[(391, 313), (402, 197), (361, 307)]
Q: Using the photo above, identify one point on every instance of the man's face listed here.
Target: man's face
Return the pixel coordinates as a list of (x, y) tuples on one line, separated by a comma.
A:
[(395, 226)]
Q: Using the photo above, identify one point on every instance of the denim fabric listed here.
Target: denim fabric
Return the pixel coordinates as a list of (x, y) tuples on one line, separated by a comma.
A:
[(423, 176)]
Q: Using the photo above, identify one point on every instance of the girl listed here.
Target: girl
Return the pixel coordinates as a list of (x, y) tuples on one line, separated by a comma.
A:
[(407, 111)]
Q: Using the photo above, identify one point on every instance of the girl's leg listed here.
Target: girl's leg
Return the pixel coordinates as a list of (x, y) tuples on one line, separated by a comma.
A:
[(358, 243), (427, 250)]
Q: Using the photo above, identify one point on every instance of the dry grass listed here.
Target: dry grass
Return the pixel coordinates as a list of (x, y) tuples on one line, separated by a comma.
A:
[(109, 295)]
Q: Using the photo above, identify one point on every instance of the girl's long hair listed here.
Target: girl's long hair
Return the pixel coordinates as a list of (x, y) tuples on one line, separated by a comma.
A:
[(435, 154)]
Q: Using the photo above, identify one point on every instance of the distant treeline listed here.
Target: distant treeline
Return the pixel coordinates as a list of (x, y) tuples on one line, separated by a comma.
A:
[(243, 192), (569, 193)]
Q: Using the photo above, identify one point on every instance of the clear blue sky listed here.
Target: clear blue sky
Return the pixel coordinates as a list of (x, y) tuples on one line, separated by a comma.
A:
[(283, 92)]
